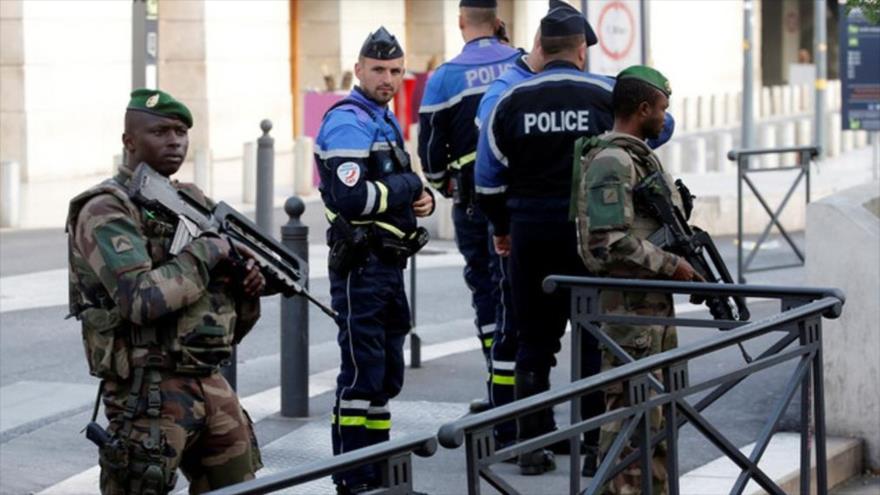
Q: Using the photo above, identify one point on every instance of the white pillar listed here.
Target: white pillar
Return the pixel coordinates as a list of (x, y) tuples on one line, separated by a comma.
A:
[(704, 112), (766, 101), (695, 163), (786, 139), (861, 138), (723, 144), (672, 157), (787, 100), (10, 193), (202, 170), (249, 173), (847, 140), (804, 132), (777, 103), (303, 172), (767, 139), (832, 136)]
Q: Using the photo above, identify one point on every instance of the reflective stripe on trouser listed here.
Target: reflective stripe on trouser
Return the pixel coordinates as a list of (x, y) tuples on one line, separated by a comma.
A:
[(372, 302), (639, 342)]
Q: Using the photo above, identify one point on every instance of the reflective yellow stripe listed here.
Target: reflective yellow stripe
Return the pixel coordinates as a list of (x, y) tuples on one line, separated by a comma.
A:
[(487, 342), (378, 424), (386, 226), (462, 161), (383, 196), (503, 380), (349, 420)]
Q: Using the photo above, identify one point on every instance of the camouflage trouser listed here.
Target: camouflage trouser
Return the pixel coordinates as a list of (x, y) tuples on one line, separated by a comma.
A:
[(203, 430), (638, 342)]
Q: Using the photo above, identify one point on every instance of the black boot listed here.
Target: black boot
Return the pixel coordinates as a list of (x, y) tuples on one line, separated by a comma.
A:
[(539, 461), (480, 405), (591, 462)]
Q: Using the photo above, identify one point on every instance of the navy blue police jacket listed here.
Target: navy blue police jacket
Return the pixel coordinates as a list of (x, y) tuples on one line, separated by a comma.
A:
[(531, 132), (447, 132), (360, 179)]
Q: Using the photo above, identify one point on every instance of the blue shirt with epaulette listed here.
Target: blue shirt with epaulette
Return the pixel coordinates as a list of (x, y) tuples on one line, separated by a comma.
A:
[(360, 178), (447, 136)]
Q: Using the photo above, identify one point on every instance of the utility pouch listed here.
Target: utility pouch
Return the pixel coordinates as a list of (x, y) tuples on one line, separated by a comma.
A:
[(462, 185), (351, 247), (398, 250), (104, 345)]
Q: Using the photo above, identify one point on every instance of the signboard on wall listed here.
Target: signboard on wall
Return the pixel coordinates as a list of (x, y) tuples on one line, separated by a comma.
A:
[(618, 25), (859, 73)]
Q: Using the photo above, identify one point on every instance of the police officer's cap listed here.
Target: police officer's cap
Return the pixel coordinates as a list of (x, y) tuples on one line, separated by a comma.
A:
[(159, 103), (647, 75), (479, 4), (559, 8), (381, 45)]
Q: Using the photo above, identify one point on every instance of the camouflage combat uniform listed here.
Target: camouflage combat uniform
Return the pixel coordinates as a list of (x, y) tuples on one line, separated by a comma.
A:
[(155, 329), (612, 241)]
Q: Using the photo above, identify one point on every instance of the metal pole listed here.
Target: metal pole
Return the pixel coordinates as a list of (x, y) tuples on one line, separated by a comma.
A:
[(821, 52), (265, 179), (415, 342), (295, 321), (748, 130), (740, 164), (643, 9), (144, 44)]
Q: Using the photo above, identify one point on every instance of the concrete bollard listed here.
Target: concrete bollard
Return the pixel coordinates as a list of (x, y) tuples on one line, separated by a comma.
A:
[(265, 178), (249, 172), (847, 141), (832, 134), (767, 139), (10, 194), (202, 171), (303, 166), (295, 321), (786, 139), (776, 101), (695, 163), (723, 144), (672, 157), (861, 139)]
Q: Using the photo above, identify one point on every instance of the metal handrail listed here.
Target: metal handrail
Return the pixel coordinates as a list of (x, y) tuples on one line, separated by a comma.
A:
[(451, 435), (700, 288), (424, 445), (733, 155)]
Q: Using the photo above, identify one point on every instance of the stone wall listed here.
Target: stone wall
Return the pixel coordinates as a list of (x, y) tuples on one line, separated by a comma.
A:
[(843, 250)]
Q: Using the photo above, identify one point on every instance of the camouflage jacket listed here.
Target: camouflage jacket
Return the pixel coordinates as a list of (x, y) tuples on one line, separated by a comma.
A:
[(612, 233), (135, 300)]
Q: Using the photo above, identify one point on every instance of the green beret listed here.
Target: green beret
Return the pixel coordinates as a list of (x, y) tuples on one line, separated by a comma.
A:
[(649, 75), (159, 103)]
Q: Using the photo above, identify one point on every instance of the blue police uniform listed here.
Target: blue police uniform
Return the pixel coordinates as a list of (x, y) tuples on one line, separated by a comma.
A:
[(364, 182), (503, 352), (447, 148)]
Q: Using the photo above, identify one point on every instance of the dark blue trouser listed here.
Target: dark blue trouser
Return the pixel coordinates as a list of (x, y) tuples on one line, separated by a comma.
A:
[(540, 249), (485, 274), (375, 320)]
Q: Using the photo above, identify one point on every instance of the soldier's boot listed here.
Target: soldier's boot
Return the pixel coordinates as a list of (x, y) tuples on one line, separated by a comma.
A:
[(480, 405), (538, 461), (591, 462)]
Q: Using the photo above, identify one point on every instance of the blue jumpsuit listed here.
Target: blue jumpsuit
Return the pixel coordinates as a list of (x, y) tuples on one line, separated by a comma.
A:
[(524, 184), (447, 148), (361, 180)]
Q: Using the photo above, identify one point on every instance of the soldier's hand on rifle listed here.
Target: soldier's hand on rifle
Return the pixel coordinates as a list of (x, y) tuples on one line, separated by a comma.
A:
[(685, 272), (253, 283)]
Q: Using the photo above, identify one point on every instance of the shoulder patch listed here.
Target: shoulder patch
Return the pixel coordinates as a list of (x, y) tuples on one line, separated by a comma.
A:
[(349, 173), (121, 244)]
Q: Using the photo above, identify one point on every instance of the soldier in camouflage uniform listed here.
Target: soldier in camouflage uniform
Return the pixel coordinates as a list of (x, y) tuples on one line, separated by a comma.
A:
[(612, 238), (156, 327)]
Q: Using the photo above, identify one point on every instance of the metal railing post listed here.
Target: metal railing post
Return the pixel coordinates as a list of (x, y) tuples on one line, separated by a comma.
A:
[(295, 321), (739, 219), (265, 179), (415, 342)]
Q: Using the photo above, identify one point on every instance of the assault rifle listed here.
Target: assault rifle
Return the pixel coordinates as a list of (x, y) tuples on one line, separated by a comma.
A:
[(281, 268), (652, 196)]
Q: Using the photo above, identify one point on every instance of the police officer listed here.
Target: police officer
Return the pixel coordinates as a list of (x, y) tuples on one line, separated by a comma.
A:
[(525, 193), (156, 326), (372, 199), (447, 148), (613, 240)]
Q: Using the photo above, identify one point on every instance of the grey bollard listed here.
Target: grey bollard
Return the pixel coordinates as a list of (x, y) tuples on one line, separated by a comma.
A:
[(10, 193), (202, 171), (265, 177), (295, 321), (249, 172)]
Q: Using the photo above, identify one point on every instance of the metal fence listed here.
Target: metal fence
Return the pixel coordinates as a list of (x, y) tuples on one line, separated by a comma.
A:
[(798, 323), (394, 458)]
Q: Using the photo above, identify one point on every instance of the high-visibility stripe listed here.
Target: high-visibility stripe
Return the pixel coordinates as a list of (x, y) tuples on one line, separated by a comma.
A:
[(371, 198), (378, 424), (349, 420), (503, 380), (487, 342), (383, 225), (462, 161), (383, 196)]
